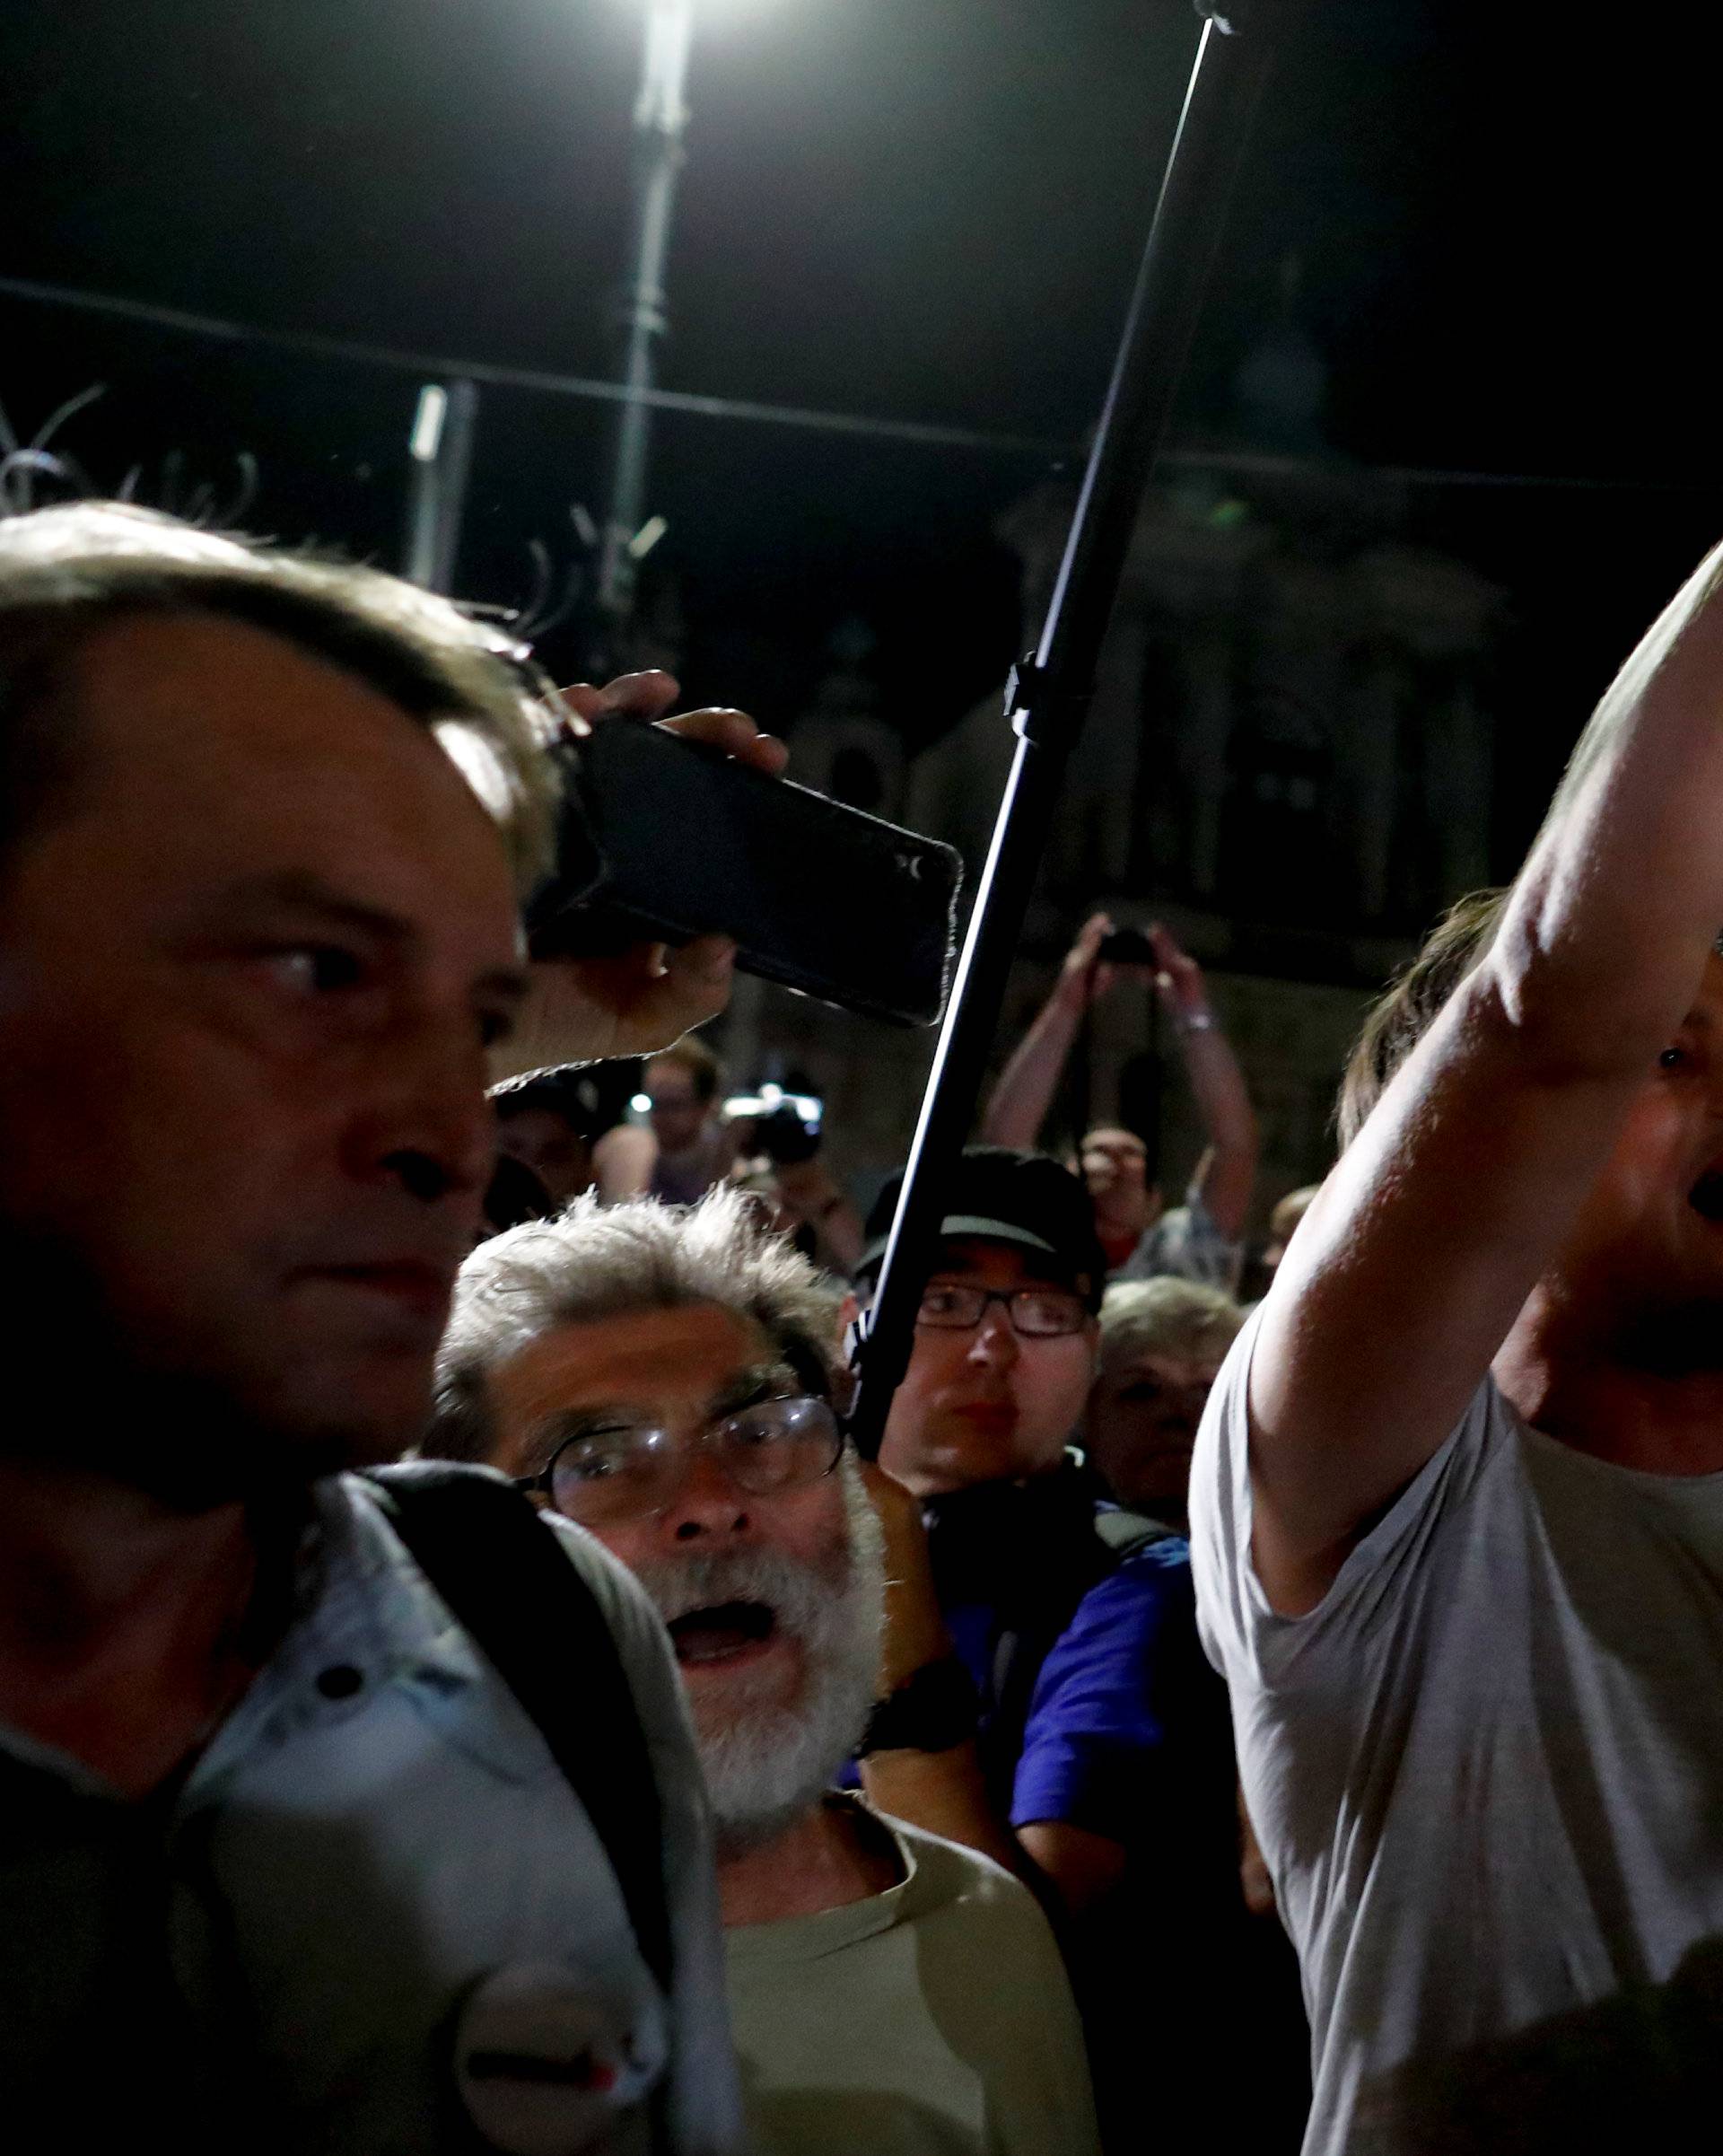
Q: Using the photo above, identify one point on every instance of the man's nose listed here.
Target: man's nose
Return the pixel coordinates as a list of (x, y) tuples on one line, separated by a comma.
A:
[(431, 1130), (995, 1342), (709, 1506)]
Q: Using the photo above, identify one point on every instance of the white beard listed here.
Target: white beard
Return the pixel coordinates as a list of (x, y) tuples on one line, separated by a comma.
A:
[(765, 1766)]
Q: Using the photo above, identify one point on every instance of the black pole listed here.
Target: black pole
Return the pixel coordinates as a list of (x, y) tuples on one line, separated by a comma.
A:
[(1048, 694)]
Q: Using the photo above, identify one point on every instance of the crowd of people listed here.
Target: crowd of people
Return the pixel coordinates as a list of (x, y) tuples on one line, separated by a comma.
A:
[(460, 1687)]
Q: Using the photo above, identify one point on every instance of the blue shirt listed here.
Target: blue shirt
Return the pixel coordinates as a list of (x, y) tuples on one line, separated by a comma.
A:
[(1130, 1737), (1123, 1716)]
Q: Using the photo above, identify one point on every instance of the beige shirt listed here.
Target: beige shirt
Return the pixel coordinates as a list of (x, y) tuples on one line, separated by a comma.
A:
[(933, 2020)]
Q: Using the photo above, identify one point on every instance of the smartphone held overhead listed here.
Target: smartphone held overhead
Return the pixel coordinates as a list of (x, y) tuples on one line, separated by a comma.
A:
[(664, 839), (1126, 947)]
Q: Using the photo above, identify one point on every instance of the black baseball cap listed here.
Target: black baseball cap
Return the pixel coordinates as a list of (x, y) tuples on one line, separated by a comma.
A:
[(567, 1089), (997, 1193)]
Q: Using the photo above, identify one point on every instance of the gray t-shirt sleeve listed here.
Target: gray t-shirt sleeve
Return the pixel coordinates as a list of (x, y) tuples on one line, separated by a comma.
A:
[(703, 2107), (1242, 1635)]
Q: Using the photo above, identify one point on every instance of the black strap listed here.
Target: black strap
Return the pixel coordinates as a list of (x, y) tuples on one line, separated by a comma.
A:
[(511, 1585)]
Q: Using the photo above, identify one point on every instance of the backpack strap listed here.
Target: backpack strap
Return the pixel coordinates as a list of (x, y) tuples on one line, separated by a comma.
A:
[(513, 1589), (1126, 1532)]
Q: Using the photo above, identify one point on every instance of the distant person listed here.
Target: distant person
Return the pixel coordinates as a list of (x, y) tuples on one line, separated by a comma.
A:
[(684, 1147), (1264, 1260), (1203, 1239), (1283, 1224), (783, 1164), (1101, 1766), (1068, 1779), (665, 1380), (545, 1120), (1161, 1347), (1458, 1504), (288, 1862), (1162, 1344), (981, 1431)]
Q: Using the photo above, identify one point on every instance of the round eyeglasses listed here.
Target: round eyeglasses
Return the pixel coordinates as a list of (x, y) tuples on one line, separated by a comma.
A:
[(958, 1306), (623, 1470)]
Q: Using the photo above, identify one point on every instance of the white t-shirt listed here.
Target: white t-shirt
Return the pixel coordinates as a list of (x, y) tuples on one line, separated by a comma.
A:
[(1487, 1775)]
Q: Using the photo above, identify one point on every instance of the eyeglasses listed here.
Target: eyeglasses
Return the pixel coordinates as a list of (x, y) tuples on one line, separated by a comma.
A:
[(1036, 1313), (624, 1470)]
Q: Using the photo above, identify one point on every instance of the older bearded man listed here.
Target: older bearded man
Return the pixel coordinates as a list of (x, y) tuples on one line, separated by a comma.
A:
[(664, 1378)]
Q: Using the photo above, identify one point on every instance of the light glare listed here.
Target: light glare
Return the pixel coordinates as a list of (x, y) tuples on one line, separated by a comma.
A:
[(427, 423)]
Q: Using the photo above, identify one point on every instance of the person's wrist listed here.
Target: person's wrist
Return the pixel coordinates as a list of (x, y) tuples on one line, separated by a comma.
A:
[(933, 1710)]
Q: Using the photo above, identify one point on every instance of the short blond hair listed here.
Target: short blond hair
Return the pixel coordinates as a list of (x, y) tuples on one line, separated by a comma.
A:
[(1291, 1210), (1165, 1316), (66, 571)]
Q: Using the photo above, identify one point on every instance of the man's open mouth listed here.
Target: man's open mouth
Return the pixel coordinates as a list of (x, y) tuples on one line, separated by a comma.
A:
[(725, 1629), (1706, 1196)]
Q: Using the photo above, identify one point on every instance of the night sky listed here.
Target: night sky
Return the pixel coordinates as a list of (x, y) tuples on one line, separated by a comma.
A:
[(922, 209)]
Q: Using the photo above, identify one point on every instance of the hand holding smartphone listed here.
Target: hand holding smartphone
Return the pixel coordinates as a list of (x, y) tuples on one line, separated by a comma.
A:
[(666, 840)]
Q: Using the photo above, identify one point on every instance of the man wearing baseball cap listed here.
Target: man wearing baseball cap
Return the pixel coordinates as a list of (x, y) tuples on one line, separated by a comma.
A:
[(1102, 1761)]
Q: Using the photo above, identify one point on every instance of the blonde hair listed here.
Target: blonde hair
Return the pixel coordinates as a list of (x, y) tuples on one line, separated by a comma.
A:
[(1165, 1316)]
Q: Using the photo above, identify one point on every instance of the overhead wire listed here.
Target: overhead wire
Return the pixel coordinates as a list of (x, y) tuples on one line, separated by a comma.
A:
[(925, 433)]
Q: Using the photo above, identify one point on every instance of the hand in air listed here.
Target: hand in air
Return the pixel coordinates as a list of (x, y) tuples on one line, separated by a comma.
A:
[(1178, 979), (650, 695), (588, 1010), (1081, 977), (914, 1630), (1085, 977)]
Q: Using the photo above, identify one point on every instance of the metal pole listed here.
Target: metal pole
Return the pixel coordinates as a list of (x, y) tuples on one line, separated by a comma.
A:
[(1048, 694), (660, 121), (441, 450)]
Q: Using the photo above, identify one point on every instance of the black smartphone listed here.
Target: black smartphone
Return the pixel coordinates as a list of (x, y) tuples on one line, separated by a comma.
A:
[(665, 839), (1126, 947)]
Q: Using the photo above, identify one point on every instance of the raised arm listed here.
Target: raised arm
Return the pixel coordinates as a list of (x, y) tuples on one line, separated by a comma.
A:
[(1467, 1180), (941, 1790), (1022, 1097), (623, 1161), (818, 1201), (945, 1790), (1226, 1175)]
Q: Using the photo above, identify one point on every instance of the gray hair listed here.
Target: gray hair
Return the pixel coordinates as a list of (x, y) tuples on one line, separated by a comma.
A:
[(1166, 1316), (589, 1262), (766, 1765), (65, 571)]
